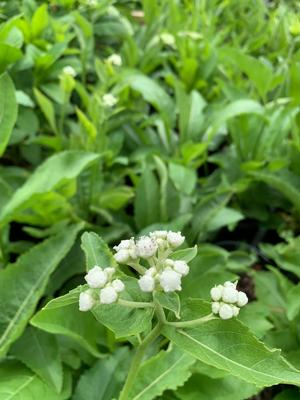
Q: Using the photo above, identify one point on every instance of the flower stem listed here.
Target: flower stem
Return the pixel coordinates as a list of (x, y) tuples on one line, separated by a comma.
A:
[(137, 360), (193, 322), (137, 267), (135, 304)]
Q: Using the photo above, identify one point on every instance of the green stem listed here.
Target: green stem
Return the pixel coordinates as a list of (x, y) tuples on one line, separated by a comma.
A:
[(135, 304), (137, 360), (193, 322), (137, 267)]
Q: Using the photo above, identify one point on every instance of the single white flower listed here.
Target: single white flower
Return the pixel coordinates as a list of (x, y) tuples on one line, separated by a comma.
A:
[(216, 292), (122, 256), (242, 299), (170, 280), (68, 70), (215, 307), (115, 59), (96, 277), (181, 267), (108, 295), (109, 100), (86, 301), (229, 295), (146, 247), (146, 283), (175, 239), (226, 311), (118, 285)]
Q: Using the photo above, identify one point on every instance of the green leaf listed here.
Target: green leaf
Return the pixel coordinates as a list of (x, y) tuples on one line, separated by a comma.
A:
[(47, 108), (103, 381), (39, 351), (170, 301), (62, 316), (9, 55), (32, 270), (146, 204), (40, 21), (8, 110), (96, 251), (167, 370), (54, 172), (229, 345), (201, 387), (293, 302), (18, 382), (184, 178), (185, 254), (115, 198)]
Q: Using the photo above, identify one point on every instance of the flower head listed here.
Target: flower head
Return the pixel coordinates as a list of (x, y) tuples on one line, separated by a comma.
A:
[(146, 247), (108, 295), (109, 100), (170, 280), (146, 283), (175, 239), (96, 277)]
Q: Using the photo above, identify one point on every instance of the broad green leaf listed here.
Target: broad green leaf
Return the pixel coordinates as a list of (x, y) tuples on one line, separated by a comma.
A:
[(126, 321), (167, 370), (146, 204), (201, 387), (39, 351), (39, 21), (184, 178), (115, 198), (185, 254), (62, 316), (8, 110), (9, 55), (32, 269), (224, 217), (54, 172), (96, 251), (170, 301), (230, 345), (18, 382), (104, 379)]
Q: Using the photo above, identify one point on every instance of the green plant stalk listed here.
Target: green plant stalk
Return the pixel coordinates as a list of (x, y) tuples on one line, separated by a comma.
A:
[(193, 322), (135, 304)]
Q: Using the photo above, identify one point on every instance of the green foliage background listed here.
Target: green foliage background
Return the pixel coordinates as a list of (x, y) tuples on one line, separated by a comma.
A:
[(204, 138)]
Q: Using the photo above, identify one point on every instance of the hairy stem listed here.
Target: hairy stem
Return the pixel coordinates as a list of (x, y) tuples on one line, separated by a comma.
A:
[(137, 360), (193, 322), (135, 304)]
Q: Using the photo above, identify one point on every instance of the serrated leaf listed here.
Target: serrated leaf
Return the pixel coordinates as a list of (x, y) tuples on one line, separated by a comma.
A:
[(112, 372), (165, 371), (39, 351), (32, 269), (54, 172), (230, 345), (8, 110), (96, 251)]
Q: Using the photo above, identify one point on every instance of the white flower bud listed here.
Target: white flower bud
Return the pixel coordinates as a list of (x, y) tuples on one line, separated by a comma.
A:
[(118, 285), (216, 292), (230, 295), (151, 271), (236, 311), (170, 280), (68, 70), (125, 244), (181, 267), (109, 272), (108, 295), (146, 283), (215, 307), (169, 263), (109, 100), (96, 277), (86, 301), (146, 247), (230, 284), (226, 311), (175, 239), (122, 256), (115, 59), (242, 299), (159, 234)]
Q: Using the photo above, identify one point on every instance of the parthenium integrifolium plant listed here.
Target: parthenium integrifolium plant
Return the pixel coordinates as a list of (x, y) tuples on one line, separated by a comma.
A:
[(160, 270)]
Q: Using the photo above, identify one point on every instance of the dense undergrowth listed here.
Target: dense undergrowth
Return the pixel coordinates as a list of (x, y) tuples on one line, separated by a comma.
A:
[(123, 117)]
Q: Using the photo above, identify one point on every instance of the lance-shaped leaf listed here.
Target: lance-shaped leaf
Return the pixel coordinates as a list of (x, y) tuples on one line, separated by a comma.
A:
[(23, 283), (96, 251), (230, 345), (54, 172), (167, 370), (8, 109)]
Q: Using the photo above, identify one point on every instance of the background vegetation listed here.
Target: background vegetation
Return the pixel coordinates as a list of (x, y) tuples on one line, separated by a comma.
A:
[(204, 138)]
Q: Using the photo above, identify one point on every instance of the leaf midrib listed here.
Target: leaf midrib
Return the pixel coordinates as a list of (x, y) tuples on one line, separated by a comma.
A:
[(30, 379)]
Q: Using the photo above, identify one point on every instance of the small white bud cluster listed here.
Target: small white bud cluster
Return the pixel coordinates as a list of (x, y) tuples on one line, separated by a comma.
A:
[(126, 251), (68, 70), (227, 300), (98, 278), (109, 100), (115, 59)]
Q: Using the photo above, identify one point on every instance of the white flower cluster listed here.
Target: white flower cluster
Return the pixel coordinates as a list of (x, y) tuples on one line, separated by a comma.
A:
[(164, 272), (98, 278), (69, 70), (115, 59), (227, 300), (109, 100)]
